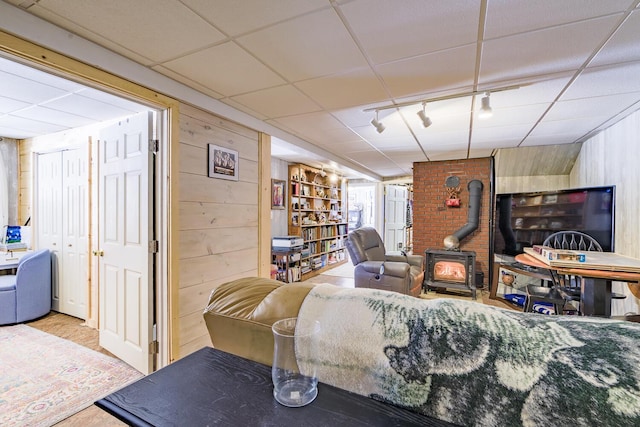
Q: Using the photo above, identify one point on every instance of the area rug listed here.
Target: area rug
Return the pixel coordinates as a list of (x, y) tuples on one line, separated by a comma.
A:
[(473, 364), (45, 379)]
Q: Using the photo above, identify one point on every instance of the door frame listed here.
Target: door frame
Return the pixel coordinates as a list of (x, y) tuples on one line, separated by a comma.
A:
[(166, 270)]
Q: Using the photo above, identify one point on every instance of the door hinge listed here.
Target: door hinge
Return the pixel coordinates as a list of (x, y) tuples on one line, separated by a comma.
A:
[(153, 246), (154, 145), (153, 347)]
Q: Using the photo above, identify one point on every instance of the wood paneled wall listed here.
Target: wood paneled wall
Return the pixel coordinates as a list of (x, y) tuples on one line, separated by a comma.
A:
[(613, 158), (218, 218)]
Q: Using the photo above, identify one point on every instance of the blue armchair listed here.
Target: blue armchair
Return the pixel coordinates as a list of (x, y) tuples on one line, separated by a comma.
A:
[(27, 294)]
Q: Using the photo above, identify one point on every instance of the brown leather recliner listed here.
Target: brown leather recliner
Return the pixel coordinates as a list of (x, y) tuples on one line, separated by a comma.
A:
[(375, 268)]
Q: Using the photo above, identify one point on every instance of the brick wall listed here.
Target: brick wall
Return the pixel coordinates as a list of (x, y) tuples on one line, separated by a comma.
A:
[(433, 220)]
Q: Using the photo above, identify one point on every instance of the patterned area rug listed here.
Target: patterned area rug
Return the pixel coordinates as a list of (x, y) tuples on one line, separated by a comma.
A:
[(45, 379), (473, 364)]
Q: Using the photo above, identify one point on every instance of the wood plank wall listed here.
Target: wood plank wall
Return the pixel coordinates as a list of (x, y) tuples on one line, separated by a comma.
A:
[(612, 158), (218, 218)]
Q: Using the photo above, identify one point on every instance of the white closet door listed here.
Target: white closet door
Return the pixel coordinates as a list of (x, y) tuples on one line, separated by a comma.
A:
[(74, 260), (48, 218), (61, 224)]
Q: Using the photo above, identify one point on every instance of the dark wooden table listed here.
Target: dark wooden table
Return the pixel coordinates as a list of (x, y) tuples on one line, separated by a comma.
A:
[(211, 387)]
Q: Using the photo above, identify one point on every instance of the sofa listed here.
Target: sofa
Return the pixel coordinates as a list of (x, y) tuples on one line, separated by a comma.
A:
[(26, 295), (458, 361)]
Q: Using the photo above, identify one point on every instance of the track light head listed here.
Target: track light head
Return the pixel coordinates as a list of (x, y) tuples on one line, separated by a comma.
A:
[(426, 121), (485, 110), (377, 124)]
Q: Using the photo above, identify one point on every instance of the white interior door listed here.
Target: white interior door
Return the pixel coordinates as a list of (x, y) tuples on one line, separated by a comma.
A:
[(48, 215), (125, 225), (61, 225), (395, 216), (74, 274)]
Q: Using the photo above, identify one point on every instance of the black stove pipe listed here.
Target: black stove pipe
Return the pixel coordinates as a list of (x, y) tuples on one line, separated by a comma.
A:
[(473, 216)]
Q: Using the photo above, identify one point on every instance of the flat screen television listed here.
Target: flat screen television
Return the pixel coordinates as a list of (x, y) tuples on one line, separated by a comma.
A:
[(526, 219)]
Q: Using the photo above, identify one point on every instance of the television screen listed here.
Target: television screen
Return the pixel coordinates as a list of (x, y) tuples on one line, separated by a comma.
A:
[(526, 219)]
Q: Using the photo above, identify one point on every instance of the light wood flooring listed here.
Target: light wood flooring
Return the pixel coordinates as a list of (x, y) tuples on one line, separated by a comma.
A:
[(74, 330)]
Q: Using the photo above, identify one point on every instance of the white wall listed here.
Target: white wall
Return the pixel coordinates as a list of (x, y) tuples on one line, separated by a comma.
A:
[(613, 158)]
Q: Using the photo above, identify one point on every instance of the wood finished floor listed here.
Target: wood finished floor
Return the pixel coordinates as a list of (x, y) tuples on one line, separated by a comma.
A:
[(73, 329)]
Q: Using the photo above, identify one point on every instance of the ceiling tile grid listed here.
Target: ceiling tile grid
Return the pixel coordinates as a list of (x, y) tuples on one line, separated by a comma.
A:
[(318, 69)]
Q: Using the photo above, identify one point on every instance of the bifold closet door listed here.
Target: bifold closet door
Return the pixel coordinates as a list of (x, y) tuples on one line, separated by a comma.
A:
[(62, 226)]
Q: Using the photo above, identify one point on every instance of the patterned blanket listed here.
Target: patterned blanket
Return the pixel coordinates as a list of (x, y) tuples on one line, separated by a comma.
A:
[(476, 365)]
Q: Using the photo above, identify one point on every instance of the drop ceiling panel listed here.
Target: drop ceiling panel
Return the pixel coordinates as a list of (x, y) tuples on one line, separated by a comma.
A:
[(500, 135), (25, 90), (278, 101), (58, 119), (600, 81), (18, 126), (311, 46), (187, 81), (233, 19), (425, 74), (600, 107), (360, 86), (89, 108), (538, 52), (507, 17), (157, 29), (389, 31), (8, 105), (438, 156), (210, 68), (623, 46)]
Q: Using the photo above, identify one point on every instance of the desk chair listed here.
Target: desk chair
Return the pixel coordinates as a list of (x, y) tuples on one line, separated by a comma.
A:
[(565, 287)]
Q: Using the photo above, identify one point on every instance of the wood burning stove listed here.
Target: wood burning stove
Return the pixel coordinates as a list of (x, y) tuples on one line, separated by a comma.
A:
[(450, 269)]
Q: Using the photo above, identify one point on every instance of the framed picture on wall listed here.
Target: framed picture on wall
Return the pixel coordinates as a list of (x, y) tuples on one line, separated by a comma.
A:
[(277, 194), (223, 163)]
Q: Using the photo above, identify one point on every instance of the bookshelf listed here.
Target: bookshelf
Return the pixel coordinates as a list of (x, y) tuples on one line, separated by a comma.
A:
[(317, 213)]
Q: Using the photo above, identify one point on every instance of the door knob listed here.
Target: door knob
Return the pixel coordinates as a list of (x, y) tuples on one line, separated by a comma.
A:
[(98, 253)]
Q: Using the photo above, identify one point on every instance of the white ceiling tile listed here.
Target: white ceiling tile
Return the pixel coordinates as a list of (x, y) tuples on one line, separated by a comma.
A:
[(389, 30), (54, 117), (322, 46), (235, 19), (226, 69), (607, 80), (623, 46), (19, 123), (538, 52), (506, 134), (507, 17), (425, 74), (89, 108), (479, 153), (441, 155), (8, 105), (603, 106), (157, 29), (187, 81), (568, 130), (290, 101), (337, 91), (503, 116), (26, 90)]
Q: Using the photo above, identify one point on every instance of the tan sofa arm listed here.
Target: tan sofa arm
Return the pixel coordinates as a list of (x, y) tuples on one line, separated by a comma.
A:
[(240, 313)]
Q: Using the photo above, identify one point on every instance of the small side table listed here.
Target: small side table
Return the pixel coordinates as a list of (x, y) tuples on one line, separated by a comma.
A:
[(288, 265)]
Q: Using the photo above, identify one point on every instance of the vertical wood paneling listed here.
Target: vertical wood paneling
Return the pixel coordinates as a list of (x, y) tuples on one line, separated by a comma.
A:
[(219, 219), (613, 158)]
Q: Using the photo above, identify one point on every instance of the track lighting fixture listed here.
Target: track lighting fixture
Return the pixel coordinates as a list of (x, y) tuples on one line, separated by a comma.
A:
[(426, 121), (485, 110), (378, 124)]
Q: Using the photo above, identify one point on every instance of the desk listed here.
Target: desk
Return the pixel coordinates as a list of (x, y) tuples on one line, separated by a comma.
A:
[(211, 387), (595, 292), (10, 260)]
